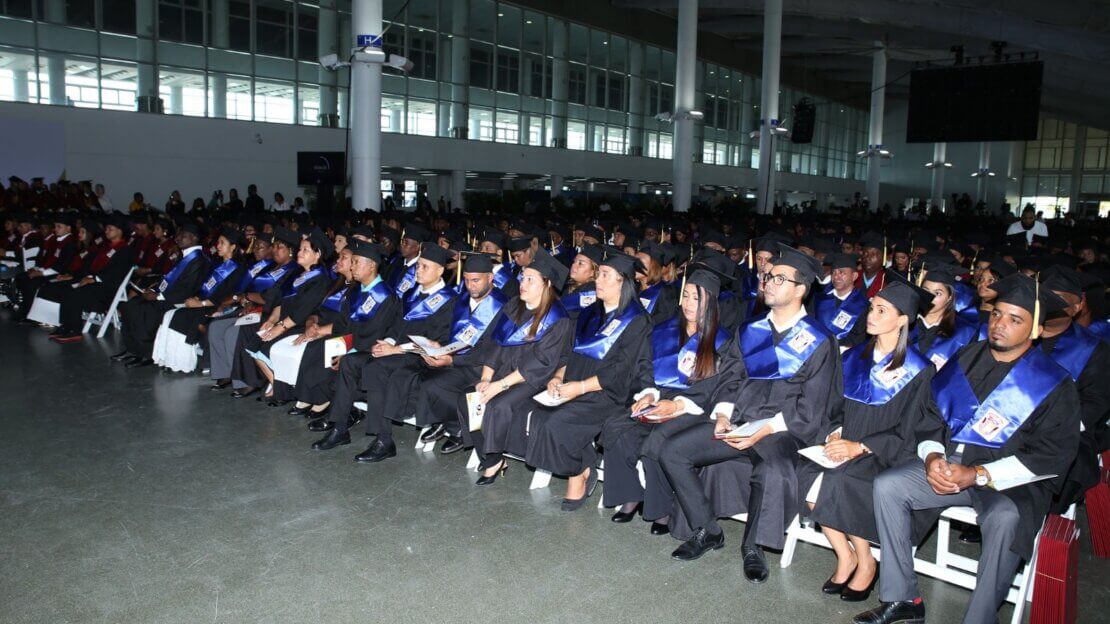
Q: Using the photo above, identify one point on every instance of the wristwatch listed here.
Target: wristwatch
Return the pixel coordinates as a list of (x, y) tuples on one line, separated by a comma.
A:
[(982, 478)]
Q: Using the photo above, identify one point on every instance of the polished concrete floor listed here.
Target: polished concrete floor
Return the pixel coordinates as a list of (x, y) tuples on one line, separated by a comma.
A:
[(144, 497)]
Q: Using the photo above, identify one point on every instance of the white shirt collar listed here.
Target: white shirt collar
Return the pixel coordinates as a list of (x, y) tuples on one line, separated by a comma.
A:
[(434, 288), (926, 323), (791, 323), (837, 295), (185, 252), (409, 263)]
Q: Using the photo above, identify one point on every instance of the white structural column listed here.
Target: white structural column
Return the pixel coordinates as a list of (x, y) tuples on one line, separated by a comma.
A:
[(636, 99), (875, 132), (682, 158), (327, 42), (366, 116), (936, 195), (557, 182), (560, 86), (21, 87), (177, 100), (698, 147), (217, 82), (769, 102), (984, 172), (1078, 163), (460, 68), (146, 26), (747, 121), (823, 140), (635, 187), (56, 63), (458, 188)]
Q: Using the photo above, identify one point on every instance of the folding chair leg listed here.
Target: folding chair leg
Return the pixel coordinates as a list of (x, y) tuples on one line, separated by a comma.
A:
[(88, 324), (420, 444), (792, 534), (473, 463), (105, 322), (540, 479)]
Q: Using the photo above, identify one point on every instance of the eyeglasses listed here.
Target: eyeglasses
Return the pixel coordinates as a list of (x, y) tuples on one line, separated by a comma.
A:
[(779, 279)]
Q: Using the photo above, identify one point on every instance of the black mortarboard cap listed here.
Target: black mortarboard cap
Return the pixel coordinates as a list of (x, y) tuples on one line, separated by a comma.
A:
[(713, 236), (287, 236), (807, 266), (1022, 291), (593, 252), (520, 244), (550, 268), (593, 232), (362, 248), (871, 239), (321, 241), (715, 262), (477, 263), (655, 251), (495, 236), (434, 253), (416, 232), (909, 299), (770, 241), (941, 273), (624, 264), (842, 261), (232, 235), (1062, 279)]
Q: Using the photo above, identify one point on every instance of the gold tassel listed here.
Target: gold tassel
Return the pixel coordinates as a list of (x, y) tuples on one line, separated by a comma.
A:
[(1036, 309), (885, 247), (682, 288), (458, 270), (751, 254), (552, 238), (921, 275)]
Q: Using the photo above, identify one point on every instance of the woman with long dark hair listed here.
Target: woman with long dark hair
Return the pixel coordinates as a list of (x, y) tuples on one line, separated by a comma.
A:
[(528, 346), (581, 291), (659, 298), (305, 293), (694, 359), (886, 393), (941, 331), (610, 360)]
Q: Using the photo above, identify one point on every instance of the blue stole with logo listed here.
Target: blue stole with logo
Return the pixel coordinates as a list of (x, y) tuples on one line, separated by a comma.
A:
[(468, 326), (838, 317), (178, 269), (766, 360), (502, 276), (1073, 349), (597, 332), (992, 422), (869, 382), (650, 296), (508, 334), (406, 281), (1100, 328), (579, 300), (335, 300), (417, 309), (564, 254), (292, 286), (217, 277), (256, 268), (672, 362), (270, 277), (364, 304), (944, 349)]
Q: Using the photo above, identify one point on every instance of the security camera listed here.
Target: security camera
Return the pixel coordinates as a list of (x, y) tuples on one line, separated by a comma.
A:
[(396, 61), (331, 61)]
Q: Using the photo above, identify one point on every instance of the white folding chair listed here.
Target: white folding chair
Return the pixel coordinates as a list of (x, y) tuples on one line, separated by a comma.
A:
[(411, 420), (809, 533), (111, 316)]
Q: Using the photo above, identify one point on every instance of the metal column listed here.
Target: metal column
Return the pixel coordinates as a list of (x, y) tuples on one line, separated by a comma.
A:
[(875, 133), (366, 117), (682, 158), (769, 102)]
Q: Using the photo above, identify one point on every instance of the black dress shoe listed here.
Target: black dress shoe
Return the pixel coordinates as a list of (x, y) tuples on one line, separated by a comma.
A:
[(491, 479), (436, 432), (755, 566), (623, 517), (332, 440), (122, 355), (139, 363), (321, 424), (243, 392), (702, 542), (299, 411), (902, 612), (356, 416), (971, 535), (376, 452), (659, 528), (220, 384), (831, 587), (451, 445), (277, 402), (858, 595)]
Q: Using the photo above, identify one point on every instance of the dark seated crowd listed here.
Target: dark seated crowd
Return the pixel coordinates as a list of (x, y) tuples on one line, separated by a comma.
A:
[(696, 360)]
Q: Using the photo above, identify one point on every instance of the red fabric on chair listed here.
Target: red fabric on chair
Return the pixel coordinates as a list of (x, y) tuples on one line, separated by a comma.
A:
[(1097, 501), (1055, 595)]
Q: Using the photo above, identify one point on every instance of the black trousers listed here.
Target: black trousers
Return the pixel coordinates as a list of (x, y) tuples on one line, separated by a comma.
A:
[(439, 392), (346, 388), (141, 319)]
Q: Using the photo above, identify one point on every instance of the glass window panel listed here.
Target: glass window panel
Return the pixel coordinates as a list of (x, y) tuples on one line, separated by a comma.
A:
[(274, 102), (239, 98), (481, 124), (576, 89), (481, 65), (16, 8), (118, 16), (18, 76), (81, 13), (599, 48), (422, 14), (422, 118), (618, 54), (507, 129), (308, 18), (533, 37), (393, 114), (578, 43), (534, 76), (576, 135), (508, 26), (615, 140), (118, 85), (273, 28), (482, 20), (239, 25), (308, 102), (667, 67), (422, 53), (82, 81), (182, 92)]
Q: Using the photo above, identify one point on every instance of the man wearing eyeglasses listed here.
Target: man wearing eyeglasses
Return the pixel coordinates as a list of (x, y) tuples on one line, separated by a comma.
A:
[(793, 371)]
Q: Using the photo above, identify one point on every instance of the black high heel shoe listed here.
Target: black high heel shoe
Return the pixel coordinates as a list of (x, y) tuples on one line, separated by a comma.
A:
[(243, 392), (484, 480), (297, 410), (830, 587), (622, 517), (859, 595), (591, 485)]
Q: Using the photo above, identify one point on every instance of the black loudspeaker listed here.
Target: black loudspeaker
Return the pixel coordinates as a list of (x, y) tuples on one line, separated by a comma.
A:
[(805, 116)]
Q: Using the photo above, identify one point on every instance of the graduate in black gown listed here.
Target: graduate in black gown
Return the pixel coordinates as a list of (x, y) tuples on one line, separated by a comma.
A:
[(941, 332), (476, 311), (886, 394), (388, 377), (841, 307), (689, 372), (222, 283), (581, 291), (659, 298), (493, 243), (304, 294), (793, 372), (142, 315), (609, 362), (528, 347), (1005, 414)]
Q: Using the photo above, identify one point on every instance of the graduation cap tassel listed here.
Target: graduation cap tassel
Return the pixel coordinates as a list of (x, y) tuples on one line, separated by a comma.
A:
[(458, 269), (884, 251), (552, 243), (921, 275), (682, 288), (751, 254), (1036, 333)]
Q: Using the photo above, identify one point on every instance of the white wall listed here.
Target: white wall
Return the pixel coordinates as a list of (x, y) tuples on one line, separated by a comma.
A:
[(155, 154)]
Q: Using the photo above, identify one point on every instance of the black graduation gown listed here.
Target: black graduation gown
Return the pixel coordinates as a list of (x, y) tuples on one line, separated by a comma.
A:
[(313, 355), (626, 441), (390, 382), (856, 335), (505, 420), (561, 439), (316, 382), (665, 305), (187, 321), (1045, 443), (141, 318), (845, 501), (805, 400), (440, 387), (297, 307), (1094, 405)]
